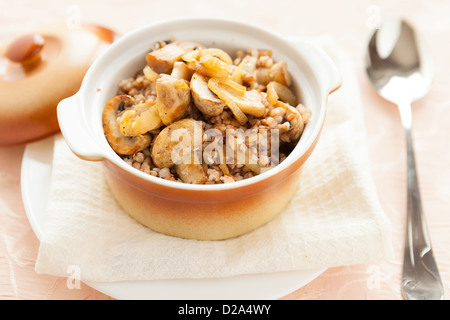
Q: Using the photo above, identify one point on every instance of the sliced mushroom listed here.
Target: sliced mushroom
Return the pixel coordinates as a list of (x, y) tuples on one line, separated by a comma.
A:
[(139, 119), (278, 72), (168, 138), (221, 91), (205, 100), (207, 63), (162, 60), (119, 142), (295, 120), (149, 74), (190, 132), (191, 173), (181, 71), (173, 97), (249, 102)]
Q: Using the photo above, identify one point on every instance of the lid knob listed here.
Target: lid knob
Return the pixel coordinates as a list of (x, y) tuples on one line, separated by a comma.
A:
[(26, 50)]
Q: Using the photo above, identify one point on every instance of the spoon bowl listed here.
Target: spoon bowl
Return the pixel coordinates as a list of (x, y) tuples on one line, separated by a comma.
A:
[(398, 64), (401, 70)]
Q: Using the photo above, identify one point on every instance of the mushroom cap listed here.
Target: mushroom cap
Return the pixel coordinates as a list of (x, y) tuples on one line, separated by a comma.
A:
[(204, 99), (161, 60), (173, 97), (119, 142), (191, 173), (188, 130)]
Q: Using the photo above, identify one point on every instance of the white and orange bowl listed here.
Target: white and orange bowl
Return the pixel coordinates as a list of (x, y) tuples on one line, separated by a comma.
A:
[(203, 212)]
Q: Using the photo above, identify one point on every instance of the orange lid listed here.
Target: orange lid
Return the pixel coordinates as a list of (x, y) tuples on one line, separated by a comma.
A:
[(37, 71)]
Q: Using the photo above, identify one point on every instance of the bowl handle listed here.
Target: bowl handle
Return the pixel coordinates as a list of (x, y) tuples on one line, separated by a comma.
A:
[(76, 132), (328, 76)]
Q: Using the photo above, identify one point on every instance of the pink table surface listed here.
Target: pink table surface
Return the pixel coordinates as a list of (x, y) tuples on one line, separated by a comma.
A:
[(350, 22)]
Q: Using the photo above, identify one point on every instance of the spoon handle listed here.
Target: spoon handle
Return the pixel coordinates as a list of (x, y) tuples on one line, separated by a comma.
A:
[(420, 279)]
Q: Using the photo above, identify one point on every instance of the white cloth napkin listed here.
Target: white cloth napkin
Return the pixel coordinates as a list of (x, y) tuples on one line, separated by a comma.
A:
[(334, 218)]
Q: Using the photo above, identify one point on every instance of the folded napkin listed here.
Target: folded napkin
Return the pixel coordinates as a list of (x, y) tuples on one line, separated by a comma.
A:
[(334, 218)]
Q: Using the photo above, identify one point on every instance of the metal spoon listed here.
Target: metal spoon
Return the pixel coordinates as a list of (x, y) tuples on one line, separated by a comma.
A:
[(401, 70)]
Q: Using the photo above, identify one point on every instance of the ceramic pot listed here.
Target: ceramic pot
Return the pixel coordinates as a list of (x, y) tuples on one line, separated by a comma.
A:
[(203, 212)]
